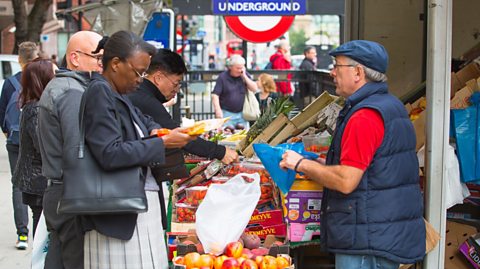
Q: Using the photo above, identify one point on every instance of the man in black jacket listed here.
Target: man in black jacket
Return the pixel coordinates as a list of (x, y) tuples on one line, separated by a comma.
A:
[(162, 83), (308, 86)]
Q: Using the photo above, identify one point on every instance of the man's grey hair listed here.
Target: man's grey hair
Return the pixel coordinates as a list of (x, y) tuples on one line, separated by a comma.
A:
[(370, 74), (236, 59)]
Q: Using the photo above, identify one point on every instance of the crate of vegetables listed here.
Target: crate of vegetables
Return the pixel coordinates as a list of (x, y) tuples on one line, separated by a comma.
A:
[(195, 195), (185, 212)]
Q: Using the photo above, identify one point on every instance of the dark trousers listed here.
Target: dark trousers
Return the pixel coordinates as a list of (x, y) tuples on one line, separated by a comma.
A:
[(20, 210), (36, 213), (66, 236)]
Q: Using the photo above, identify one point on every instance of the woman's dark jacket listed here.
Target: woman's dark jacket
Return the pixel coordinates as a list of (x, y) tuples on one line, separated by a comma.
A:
[(28, 171), (115, 148)]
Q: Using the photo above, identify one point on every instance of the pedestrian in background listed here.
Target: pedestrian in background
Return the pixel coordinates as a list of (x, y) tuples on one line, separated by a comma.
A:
[(307, 85), (125, 240), (268, 91), (59, 131), (28, 176), (230, 89), (372, 205), (10, 120), (281, 60)]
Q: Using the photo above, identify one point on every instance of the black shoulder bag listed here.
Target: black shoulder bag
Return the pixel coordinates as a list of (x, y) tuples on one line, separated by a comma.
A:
[(90, 190)]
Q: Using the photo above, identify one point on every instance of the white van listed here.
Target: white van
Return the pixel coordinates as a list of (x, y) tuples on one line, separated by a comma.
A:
[(8, 66)]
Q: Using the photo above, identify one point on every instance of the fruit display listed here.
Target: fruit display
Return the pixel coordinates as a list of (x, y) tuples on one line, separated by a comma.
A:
[(185, 212), (195, 195), (235, 257)]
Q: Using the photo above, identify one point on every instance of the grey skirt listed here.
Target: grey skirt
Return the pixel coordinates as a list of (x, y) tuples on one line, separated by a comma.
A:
[(145, 250)]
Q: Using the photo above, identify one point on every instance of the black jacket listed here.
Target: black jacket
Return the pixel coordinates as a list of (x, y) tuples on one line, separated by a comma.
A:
[(28, 171), (308, 86), (114, 148), (150, 101)]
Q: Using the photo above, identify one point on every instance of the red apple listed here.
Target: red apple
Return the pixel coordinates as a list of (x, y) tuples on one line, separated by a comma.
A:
[(258, 260), (282, 262), (234, 249), (179, 260), (206, 261), (247, 253), (230, 263), (217, 264), (249, 264), (192, 259), (268, 262)]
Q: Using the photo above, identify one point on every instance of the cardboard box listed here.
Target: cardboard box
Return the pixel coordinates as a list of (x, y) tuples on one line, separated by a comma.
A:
[(267, 218), (419, 126), (262, 231), (303, 202), (456, 234), (301, 232), (471, 250), (470, 71), (461, 99)]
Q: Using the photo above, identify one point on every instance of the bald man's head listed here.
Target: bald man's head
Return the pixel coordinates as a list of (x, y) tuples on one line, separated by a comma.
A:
[(79, 54)]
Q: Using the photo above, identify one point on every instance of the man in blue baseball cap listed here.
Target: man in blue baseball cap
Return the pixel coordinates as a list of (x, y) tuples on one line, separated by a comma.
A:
[(372, 205)]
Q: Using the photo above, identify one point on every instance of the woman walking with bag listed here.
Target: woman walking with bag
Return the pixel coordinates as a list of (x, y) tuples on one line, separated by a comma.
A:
[(28, 170), (113, 133)]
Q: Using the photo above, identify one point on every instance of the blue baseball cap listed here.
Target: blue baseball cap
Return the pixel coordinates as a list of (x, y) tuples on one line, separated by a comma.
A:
[(368, 53)]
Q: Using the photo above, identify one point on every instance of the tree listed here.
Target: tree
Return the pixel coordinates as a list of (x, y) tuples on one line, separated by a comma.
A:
[(297, 41), (29, 27)]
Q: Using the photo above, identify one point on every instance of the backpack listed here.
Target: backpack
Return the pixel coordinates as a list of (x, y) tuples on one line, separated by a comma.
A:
[(270, 63), (12, 113)]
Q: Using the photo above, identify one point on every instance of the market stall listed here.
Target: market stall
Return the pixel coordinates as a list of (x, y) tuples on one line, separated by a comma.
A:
[(270, 227)]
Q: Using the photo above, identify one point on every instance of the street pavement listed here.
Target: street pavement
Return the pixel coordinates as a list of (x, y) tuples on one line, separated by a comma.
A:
[(10, 257)]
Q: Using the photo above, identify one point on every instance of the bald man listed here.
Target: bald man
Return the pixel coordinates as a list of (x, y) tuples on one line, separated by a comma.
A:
[(58, 131)]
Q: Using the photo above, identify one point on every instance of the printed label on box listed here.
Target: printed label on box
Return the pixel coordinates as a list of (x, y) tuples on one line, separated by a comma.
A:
[(267, 218), (263, 231), (303, 206), (300, 232)]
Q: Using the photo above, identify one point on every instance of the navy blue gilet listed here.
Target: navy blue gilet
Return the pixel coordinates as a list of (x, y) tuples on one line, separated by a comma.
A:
[(383, 216)]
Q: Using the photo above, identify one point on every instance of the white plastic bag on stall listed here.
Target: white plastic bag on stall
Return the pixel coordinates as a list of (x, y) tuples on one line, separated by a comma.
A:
[(456, 190), (225, 211)]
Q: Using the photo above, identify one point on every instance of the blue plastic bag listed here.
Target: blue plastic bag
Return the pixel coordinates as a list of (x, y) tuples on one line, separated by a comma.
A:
[(271, 157), (467, 135), (464, 123)]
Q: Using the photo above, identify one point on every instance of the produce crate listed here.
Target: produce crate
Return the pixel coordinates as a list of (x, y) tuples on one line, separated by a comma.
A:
[(266, 135), (282, 128), (309, 115)]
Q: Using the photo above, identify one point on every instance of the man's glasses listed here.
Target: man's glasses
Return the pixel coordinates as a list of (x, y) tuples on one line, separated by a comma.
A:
[(140, 75), (98, 57), (174, 84), (335, 66)]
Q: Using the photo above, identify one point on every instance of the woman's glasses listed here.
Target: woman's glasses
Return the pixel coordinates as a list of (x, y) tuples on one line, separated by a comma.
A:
[(141, 75)]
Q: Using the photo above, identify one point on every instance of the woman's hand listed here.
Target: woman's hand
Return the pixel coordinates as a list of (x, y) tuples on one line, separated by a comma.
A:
[(230, 156), (290, 159), (177, 138)]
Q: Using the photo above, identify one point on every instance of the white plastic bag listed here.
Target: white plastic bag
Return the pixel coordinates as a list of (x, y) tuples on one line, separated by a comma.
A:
[(225, 211), (40, 244), (456, 190)]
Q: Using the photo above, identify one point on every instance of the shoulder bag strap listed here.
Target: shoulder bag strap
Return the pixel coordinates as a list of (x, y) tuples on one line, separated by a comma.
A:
[(81, 121), (16, 84)]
